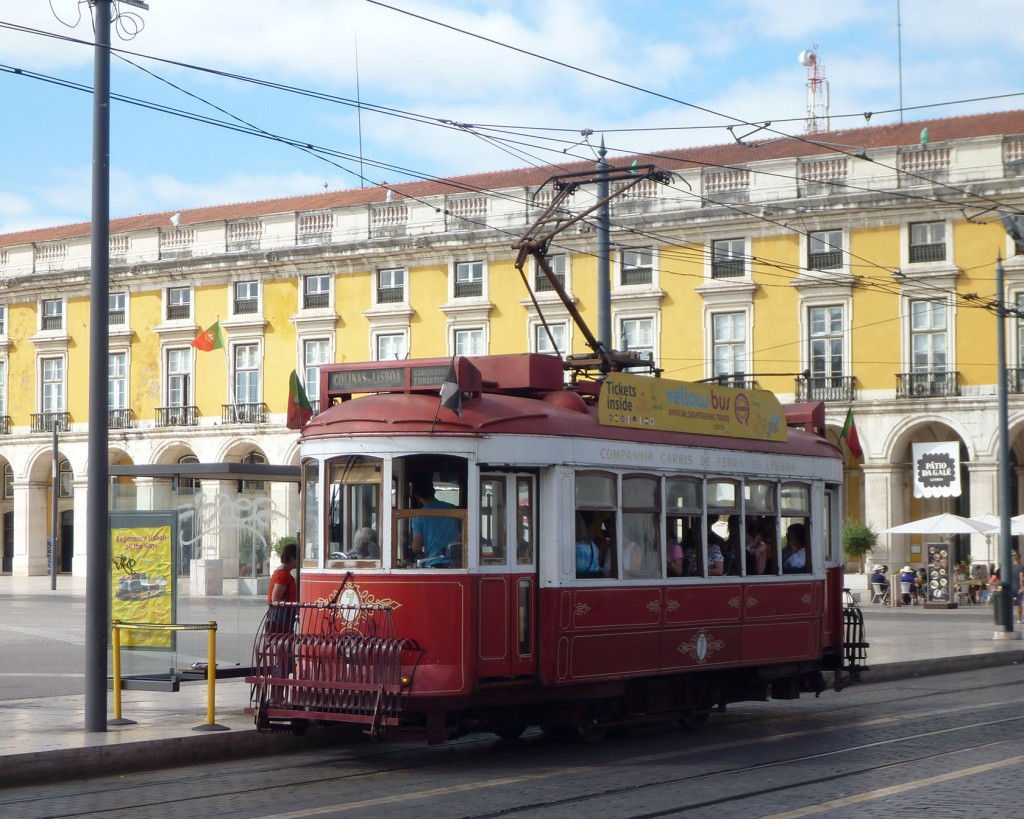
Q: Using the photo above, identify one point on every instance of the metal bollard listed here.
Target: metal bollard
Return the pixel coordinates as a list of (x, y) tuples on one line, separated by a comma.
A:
[(116, 662), (211, 723)]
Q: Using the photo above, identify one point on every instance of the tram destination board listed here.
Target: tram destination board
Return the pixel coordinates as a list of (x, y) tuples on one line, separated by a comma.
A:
[(379, 379)]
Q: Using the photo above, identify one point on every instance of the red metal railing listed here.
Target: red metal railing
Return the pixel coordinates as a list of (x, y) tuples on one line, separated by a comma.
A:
[(336, 663)]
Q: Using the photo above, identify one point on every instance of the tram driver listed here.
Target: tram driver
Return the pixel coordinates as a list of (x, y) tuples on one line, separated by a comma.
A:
[(433, 537)]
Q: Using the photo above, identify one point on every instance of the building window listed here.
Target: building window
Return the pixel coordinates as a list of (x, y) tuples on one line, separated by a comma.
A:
[(727, 258), (637, 266), (469, 279), (825, 353), (315, 352), (391, 285), (247, 373), (117, 380), (53, 314), (179, 303), (542, 342), (8, 481), (65, 479), (52, 397), (179, 378), (117, 313), (927, 242), (928, 336), (541, 283), (3, 391), (729, 345), (3, 319), (825, 250), (247, 298), (254, 458), (637, 335), (316, 291), (390, 346), (468, 341)]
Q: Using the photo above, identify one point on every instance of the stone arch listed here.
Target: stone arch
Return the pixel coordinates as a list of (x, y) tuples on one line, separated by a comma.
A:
[(904, 430)]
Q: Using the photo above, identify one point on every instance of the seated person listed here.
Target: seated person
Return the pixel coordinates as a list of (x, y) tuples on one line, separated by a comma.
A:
[(674, 557), (908, 576), (432, 536), (794, 556), (691, 552), (364, 545), (878, 578), (588, 556), (716, 547), (758, 550)]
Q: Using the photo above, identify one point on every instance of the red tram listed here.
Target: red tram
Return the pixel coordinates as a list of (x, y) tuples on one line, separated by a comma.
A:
[(520, 562)]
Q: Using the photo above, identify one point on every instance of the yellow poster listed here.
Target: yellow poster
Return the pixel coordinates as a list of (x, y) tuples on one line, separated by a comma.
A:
[(142, 581), (642, 402)]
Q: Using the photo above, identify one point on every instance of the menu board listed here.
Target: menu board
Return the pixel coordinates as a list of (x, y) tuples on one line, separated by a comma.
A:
[(938, 573)]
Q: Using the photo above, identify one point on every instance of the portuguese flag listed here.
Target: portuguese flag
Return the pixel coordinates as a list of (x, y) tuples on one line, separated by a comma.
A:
[(210, 339), (299, 408), (849, 435)]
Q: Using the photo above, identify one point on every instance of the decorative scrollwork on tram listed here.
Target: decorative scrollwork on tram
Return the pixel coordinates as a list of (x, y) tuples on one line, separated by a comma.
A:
[(581, 609), (671, 605), (734, 602), (701, 646), (752, 602), (654, 606), (807, 599)]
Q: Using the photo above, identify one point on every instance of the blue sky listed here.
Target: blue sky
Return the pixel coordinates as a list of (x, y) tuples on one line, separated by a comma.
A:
[(736, 57)]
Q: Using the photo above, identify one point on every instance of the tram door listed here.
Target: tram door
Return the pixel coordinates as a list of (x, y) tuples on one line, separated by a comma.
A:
[(508, 575)]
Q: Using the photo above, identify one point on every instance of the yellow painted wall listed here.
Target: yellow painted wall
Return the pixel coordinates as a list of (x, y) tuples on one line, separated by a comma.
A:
[(22, 388), (146, 368), (280, 350), (77, 379), (876, 337), (682, 334), (428, 290), (210, 368), (975, 248), (776, 333)]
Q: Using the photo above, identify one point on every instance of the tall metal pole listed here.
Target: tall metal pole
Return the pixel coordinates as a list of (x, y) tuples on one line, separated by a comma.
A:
[(54, 497), (604, 284), (1005, 561), (97, 588)]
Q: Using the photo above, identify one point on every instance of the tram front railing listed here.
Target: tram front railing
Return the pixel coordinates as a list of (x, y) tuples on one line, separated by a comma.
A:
[(333, 663)]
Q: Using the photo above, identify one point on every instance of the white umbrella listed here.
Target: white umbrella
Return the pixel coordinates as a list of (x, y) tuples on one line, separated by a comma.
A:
[(944, 524), (1016, 523)]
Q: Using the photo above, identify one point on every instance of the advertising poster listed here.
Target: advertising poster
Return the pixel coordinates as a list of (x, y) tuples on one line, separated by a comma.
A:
[(142, 574), (938, 574), (641, 402), (937, 469)]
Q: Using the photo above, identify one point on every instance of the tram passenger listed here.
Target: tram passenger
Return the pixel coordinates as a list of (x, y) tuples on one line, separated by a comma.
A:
[(691, 552), (432, 537), (588, 556), (794, 556), (365, 544), (757, 547), (731, 551), (716, 546), (673, 556)]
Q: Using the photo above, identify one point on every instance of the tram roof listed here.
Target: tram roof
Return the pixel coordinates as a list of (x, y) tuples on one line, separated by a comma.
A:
[(557, 413)]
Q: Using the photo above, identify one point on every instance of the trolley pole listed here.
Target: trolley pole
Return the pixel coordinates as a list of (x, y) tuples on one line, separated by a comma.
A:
[(54, 498), (97, 536), (604, 285), (1005, 580)]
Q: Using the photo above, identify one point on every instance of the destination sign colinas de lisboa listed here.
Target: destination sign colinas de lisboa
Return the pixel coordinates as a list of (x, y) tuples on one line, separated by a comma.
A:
[(642, 402)]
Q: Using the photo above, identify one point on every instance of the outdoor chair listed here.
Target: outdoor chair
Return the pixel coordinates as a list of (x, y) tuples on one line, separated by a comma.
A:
[(963, 592), (907, 590), (879, 594)]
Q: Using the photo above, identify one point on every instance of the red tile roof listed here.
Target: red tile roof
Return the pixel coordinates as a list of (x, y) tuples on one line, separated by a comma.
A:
[(733, 153)]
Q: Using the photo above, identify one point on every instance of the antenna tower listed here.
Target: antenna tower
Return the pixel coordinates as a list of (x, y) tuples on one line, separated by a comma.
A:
[(817, 92)]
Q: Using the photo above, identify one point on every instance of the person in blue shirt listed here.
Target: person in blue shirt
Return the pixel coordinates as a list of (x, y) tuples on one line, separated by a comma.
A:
[(432, 536)]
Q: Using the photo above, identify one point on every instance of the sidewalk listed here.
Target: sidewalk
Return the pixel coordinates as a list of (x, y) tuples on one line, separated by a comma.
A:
[(45, 736)]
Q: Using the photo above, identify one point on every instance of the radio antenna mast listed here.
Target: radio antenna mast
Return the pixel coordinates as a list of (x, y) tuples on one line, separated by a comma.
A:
[(817, 92)]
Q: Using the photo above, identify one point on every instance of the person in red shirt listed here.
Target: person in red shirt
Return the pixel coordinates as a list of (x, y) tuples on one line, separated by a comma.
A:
[(283, 589)]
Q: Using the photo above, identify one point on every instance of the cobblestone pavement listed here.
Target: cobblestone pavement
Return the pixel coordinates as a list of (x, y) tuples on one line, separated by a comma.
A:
[(938, 746)]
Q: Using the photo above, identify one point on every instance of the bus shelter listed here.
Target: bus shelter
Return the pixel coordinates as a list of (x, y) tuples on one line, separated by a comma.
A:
[(193, 543)]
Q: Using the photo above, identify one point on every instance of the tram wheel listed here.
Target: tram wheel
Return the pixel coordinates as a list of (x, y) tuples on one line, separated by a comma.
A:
[(694, 718), (591, 733), (510, 731)]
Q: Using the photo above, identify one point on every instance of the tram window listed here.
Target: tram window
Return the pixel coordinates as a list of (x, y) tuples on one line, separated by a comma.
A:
[(595, 525), (311, 514), (492, 519), (760, 528), (796, 521), (437, 485), (353, 514), (726, 537), (641, 551), (526, 529), (683, 553)]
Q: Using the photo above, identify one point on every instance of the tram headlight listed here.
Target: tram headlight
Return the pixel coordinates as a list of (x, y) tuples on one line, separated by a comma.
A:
[(405, 680)]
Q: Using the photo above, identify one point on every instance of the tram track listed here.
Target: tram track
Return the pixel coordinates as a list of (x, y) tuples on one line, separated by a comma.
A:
[(469, 748)]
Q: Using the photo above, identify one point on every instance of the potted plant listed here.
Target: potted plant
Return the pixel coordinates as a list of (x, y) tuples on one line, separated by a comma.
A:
[(858, 539)]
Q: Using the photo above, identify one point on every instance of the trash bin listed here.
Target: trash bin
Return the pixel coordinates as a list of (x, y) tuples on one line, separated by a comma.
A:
[(999, 617)]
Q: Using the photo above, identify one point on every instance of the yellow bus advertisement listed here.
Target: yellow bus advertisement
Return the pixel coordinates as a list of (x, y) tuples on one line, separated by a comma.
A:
[(142, 575)]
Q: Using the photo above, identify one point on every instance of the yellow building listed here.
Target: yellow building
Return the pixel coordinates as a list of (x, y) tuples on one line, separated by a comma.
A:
[(856, 268)]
